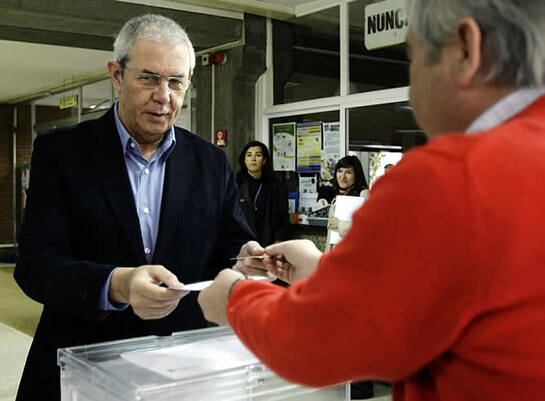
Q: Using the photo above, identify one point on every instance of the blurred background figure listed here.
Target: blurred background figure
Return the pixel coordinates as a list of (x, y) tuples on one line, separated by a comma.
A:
[(263, 198), (348, 179)]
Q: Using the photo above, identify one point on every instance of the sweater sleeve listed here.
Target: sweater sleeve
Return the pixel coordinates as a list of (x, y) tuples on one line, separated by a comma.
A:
[(391, 297)]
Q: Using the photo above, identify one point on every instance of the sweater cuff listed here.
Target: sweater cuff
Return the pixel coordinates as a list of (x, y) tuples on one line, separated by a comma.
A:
[(233, 284)]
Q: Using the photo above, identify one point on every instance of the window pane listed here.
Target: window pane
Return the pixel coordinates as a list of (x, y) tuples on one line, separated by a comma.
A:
[(50, 116), (307, 57), (380, 134), (373, 69), (97, 96), (384, 127)]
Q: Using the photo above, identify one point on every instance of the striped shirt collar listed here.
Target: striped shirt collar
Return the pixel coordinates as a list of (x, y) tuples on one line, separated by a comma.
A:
[(506, 108)]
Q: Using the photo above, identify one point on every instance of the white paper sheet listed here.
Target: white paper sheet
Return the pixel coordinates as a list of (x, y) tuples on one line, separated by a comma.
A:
[(201, 285), (190, 360), (345, 206)]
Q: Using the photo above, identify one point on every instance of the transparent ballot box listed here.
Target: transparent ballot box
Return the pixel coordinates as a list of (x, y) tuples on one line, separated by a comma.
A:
[(200, 365)]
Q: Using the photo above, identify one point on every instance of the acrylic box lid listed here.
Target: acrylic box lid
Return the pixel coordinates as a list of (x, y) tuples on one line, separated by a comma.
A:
[(194, 365)]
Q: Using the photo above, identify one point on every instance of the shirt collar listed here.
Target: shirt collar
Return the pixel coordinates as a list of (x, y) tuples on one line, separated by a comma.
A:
[(505, 108), (164, 149)]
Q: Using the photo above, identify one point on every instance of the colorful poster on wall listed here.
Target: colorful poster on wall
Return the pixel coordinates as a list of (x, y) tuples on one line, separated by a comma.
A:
[(309, 147), (283, 138), (332, 148)]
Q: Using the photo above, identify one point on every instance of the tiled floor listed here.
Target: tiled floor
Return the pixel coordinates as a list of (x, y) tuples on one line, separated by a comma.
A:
[(16, 309), (13, 351)]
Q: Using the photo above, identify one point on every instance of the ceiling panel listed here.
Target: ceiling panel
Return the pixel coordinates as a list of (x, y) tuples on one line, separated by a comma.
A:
[(33, 67), (47, 43)]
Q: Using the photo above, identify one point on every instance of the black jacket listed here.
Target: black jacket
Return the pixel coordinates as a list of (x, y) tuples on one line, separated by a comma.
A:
[(271, 222), (81, 222)]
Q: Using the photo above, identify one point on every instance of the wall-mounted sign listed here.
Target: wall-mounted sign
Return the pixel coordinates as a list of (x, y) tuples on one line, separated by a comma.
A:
[(385, 23), (220, 138), (67, 102)]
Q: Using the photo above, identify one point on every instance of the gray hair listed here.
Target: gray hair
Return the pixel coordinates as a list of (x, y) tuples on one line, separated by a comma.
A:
[(513, 35), (155, 28)]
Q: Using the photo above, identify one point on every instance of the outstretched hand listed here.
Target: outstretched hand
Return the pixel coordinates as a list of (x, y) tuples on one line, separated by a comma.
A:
[(251, 261), (292, 260), (141, 288), (213, 300)]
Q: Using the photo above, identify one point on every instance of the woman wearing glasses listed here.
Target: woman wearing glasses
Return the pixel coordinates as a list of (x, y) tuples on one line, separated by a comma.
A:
[(264, 199)]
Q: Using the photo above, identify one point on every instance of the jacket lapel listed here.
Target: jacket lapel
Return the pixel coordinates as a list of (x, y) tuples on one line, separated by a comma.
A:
[(178, 175), (116, 184)]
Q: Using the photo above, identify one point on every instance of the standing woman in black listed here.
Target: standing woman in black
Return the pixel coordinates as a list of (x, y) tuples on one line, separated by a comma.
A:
[(264, 200)]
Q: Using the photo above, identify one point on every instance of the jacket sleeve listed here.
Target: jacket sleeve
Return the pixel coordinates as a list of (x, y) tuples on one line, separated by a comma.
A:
[(234, 230), (46, 270), (376, 308)]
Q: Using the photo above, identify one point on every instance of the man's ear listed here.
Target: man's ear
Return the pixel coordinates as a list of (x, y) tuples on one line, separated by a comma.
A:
[(468, 39), (115, 74)]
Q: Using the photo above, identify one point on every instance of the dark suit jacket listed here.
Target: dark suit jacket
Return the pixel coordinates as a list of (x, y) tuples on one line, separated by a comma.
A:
[(80, 223)]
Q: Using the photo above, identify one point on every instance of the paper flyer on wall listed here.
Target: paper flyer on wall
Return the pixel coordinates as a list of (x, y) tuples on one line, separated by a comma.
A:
[(309, 147), (283, 138), (307, 185), (331, 149)]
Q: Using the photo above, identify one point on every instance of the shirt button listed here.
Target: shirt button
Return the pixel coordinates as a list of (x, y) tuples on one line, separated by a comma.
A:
[(147, 251), (132, 145), (146, 171), (146, 210)]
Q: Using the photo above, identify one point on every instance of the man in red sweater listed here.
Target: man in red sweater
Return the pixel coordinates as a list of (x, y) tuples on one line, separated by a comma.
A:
[(439, 286)]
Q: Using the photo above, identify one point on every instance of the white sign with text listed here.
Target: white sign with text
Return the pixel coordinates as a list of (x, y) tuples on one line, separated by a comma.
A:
[(385, 23)]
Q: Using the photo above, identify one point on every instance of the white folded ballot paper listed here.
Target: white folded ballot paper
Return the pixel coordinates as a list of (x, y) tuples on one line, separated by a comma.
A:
[(201, 285), (193, 359), (345, 206)]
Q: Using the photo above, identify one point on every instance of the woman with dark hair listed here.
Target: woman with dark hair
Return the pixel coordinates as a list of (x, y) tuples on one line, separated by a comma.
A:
[(348, 179), (264, 200)]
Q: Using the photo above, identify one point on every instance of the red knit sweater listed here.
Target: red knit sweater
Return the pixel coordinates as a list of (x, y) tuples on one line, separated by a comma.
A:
[(439, 287)]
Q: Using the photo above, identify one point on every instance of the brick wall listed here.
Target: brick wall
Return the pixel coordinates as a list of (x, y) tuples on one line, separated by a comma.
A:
[(6, 160), (24, 149)]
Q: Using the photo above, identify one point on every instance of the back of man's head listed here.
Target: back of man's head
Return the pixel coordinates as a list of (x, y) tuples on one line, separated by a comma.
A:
[(155, 28), (513, 35)]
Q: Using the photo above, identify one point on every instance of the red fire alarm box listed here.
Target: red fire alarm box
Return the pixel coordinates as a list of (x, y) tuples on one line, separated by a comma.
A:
[(220, 138)]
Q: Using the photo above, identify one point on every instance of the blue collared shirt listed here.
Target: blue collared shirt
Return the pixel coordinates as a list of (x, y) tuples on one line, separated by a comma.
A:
[(146, 178)]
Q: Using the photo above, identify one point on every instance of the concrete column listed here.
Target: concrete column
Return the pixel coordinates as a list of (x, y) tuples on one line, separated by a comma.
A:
[(234, 90)]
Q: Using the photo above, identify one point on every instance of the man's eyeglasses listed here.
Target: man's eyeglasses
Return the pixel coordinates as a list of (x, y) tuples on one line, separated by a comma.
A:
[(149, 80)]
